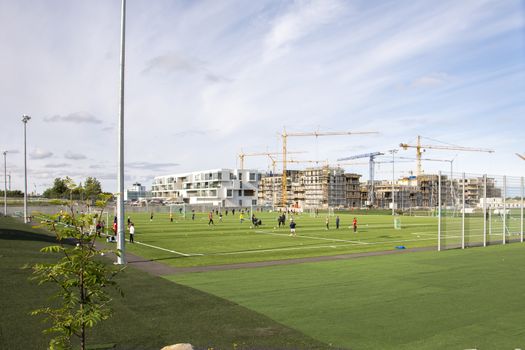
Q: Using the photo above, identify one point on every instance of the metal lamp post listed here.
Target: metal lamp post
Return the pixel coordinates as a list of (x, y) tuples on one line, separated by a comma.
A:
[(5, 183), (25, 119), (121, 259), (393, 179)]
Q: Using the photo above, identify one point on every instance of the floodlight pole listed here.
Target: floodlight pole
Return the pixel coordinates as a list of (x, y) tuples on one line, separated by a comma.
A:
[(5, 183), (25, 119), (393, 179), (121, 239)]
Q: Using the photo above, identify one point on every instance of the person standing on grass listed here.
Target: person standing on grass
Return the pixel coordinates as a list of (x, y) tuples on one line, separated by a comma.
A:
[(327, 222), (151, 217), (220, 216), (292, 229), (193, 214), (131, 233), (241, 217), (354, 224), (210, 217), (337, 222), (129, 221), (171, 217)]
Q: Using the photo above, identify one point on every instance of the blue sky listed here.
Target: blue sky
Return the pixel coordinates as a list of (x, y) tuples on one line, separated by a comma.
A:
[(205, 79)]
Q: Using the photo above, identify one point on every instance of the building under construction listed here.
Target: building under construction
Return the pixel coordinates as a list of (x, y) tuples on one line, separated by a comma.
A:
[(422, 191), (315, 187)]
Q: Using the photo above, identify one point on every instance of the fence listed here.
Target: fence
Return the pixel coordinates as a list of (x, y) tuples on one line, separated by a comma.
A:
[(479, 210)]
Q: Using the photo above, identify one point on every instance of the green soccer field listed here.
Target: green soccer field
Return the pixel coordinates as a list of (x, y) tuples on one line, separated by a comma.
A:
[(456, 299), (187, 242)]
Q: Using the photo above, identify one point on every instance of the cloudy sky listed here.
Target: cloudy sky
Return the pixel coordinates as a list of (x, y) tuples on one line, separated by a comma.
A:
[(205, 79)]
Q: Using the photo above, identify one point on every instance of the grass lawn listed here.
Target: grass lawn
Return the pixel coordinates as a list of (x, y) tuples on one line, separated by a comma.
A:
[(470, 299), (153, 313), (187, 242)]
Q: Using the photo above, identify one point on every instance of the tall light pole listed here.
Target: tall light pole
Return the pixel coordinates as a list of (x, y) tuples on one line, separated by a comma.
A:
[(393, 151), (5, 183), (121, 232), (25, 119)]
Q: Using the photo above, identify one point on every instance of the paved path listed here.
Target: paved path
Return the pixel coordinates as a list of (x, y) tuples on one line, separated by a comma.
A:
[(159, 269)]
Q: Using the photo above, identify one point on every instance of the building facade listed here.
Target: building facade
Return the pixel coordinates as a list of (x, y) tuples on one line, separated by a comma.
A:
[(317, 187), (217, 187), (136, 192)]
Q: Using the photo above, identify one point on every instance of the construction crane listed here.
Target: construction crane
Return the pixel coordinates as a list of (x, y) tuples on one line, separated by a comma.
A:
[(419, 147), (285, 136), (451, 161), (274, 161), (371, 168), (256, 154)]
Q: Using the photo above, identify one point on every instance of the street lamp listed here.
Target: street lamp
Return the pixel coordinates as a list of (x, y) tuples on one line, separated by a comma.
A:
[(121, 258), (25, 119), (5, 183), (393, 151)]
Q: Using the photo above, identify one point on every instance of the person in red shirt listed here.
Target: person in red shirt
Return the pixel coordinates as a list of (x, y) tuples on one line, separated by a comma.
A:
[(354, 224)]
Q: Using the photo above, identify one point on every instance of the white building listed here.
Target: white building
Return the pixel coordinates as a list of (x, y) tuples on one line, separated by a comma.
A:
[(136, 192), (219, 187)]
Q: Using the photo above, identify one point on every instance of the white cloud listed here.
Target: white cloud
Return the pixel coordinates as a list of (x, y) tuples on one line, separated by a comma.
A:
[(431, 80), (74, 156), (77, 118), (38, 153)]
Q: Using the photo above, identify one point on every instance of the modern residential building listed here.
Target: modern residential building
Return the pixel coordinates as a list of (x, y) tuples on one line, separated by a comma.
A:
[(217, 187), (136, 192)]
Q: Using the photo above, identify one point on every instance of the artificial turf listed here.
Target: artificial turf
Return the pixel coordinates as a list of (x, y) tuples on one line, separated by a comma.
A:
[(153, 313), (187, 242), (457, 299)]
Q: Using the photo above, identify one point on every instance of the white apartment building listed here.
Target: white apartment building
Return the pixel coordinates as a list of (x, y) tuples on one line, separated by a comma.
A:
[(136, 192), (218, 187)]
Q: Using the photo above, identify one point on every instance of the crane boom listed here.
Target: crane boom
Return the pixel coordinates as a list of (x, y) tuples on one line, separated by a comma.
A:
[(285, 136), (242, 155), (419, 147)]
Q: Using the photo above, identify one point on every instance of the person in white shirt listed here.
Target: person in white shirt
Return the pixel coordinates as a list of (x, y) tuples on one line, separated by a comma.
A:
[(131, 232)]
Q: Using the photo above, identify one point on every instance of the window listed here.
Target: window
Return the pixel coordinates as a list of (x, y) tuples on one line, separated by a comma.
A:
[(229, 193), (252, 176), (254, 201)]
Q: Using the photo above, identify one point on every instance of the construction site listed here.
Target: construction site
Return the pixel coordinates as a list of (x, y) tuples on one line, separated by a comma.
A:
[(330, 186), (321, 184)]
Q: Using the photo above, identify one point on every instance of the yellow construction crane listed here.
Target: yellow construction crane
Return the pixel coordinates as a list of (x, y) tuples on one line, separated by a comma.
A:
[(419, 148), (285, 136), (242, 155)]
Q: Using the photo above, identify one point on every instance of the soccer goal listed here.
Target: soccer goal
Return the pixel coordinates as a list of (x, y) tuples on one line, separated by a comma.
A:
[(178, 209)]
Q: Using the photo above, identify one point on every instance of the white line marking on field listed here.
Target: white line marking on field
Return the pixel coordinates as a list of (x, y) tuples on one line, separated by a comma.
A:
[(311, 237), (273, 250), (167, 250)]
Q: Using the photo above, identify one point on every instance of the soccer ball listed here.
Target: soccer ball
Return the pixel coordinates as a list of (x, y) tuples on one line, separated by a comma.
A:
[(102, 254)]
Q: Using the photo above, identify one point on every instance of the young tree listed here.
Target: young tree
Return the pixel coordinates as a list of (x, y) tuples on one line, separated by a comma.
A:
[(80, 276), (92, 187), (59, 189)]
